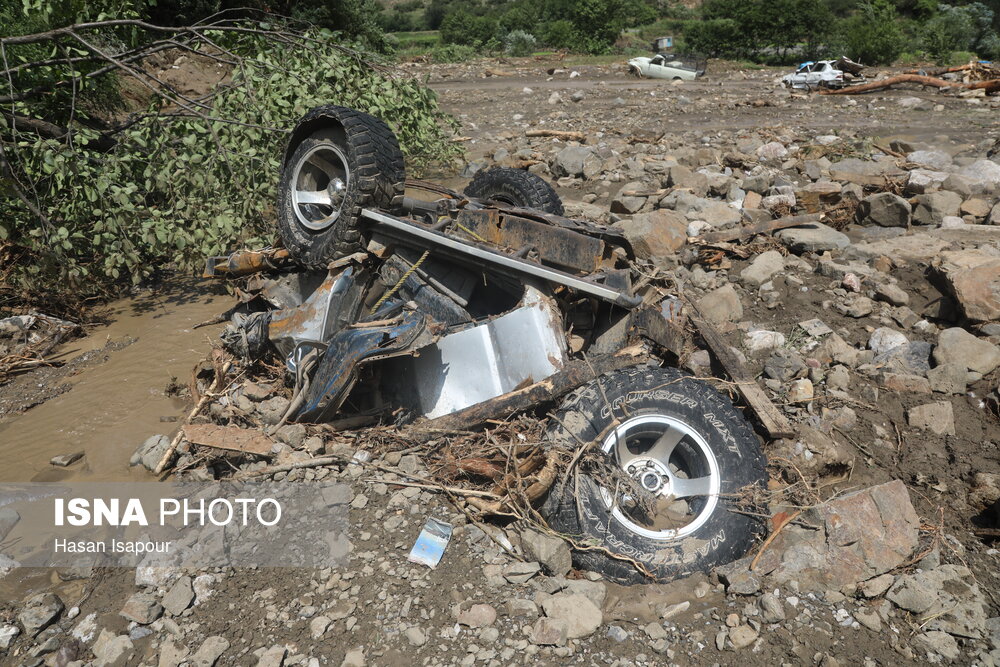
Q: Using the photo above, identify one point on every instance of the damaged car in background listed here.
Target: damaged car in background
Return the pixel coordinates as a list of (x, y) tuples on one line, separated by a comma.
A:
[(668, 66), (404, 301), (824, 74)]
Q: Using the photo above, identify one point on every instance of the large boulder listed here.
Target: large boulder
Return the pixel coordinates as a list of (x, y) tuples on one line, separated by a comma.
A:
[(932, 159), (856, 537), (958, 346), (975, 282), (934, 207), (721, 305), (884, 209), (763, 267), (656, 234), (984, 175), (570, 160)]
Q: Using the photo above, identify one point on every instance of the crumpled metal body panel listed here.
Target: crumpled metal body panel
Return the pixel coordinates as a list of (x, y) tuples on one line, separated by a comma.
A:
[(523, 346), (346, 349), (334, 303)]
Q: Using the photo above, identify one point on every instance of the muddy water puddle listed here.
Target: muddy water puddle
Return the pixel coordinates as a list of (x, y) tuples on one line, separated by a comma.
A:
[(111, 407)]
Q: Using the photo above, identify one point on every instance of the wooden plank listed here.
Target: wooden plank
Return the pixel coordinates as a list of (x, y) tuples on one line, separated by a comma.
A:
[(229, 438), (762, 228), (773, 421)]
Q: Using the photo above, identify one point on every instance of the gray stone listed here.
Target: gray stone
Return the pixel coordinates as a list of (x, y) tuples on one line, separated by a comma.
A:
[(210, 650), (143, 608), (742, 636), (958, 346), (40, 611), (784, 365), (891, 293), (656, 234), (553, 553), (911, 103), (948, 378), (415, 636), (721, 305), (7, 635), (941, 643), (521, 608), (947, 596), (519, 573), (570, 160), (477, 616), (150, 452), (885, 210), (877, 586), (738, 578), (762, 268), (974, 279), (983, 174), (862, 535), (921, 181), (617, 633), (771, 608), (292, 435), (549, 632), (66, 460), (884, 339), (273, 409), (179, 597), (582, 616), (813, 237), (869, 618), (938, 160), (912, 358), (112, 650), (994, 217), (932, 208), (273, 657), (934, 417)]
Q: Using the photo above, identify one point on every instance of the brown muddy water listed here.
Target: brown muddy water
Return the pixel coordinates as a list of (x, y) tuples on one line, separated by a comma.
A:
[(112, 407)]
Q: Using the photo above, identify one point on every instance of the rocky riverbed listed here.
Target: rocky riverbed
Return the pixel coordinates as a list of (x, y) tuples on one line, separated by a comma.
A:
[(875, 329)]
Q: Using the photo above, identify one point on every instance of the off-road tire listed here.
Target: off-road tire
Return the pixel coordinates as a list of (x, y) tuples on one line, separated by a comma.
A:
[(377, 181), (576, 508), (515, 187)]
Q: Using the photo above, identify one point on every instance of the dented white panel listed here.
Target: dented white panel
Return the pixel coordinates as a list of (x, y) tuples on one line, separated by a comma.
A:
[(518, 348)]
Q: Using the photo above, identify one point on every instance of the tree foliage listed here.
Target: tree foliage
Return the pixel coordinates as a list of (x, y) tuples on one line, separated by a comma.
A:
[(101, 200)]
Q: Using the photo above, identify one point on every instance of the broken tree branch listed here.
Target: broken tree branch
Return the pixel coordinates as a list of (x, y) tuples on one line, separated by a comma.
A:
[(774, 423), (991, 86)]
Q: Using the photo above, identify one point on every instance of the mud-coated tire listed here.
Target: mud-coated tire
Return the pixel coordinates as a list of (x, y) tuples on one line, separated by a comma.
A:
[(371, 159), (514, 187), (627, 409)]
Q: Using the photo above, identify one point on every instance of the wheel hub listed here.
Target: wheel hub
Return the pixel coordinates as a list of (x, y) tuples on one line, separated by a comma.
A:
[(650, 474), (336, 189)]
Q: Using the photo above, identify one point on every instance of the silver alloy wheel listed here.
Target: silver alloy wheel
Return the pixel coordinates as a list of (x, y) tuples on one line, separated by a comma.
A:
[(319, 185), (674, 465)]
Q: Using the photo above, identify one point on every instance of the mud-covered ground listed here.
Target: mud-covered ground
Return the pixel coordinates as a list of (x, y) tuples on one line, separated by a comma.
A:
[(856, 428)]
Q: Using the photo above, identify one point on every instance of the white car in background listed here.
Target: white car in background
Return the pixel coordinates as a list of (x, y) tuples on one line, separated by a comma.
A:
[(819, 74), (667, 66)]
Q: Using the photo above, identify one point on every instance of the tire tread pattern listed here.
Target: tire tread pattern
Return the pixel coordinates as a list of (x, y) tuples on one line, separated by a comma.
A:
[(379, 178)]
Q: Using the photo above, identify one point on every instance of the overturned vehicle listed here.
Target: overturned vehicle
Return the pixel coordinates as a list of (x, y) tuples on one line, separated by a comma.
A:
[(450, 310)]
